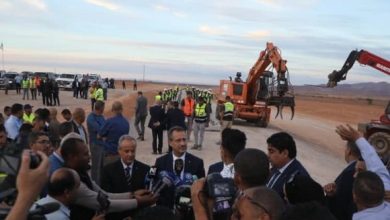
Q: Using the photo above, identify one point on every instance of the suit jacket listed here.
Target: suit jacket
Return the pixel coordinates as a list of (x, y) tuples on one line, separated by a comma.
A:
[(76, 129), (215, 168), (175, 117), (294, 166), (157, 114), (114, 179), (341, 203), (192, 164)]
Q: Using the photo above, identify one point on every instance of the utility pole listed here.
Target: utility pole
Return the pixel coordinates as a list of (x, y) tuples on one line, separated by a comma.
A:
[(2, 54), (143, 75)]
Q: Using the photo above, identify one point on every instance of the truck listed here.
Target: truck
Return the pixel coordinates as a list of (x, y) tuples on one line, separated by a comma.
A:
[(65, 80), (252, 98), (376, 131)]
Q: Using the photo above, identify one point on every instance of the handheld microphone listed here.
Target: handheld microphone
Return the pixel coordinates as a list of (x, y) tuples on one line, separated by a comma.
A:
[(44, 209), (166, 182)]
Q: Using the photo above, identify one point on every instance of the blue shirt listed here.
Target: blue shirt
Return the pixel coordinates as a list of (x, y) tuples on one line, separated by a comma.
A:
[(63, 213), (112, 130), (380, 212), (12, 126), (94, 124), (56, 162)]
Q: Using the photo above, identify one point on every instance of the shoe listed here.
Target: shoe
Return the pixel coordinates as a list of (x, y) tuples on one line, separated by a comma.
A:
[(139, 138), (218, 143), (142, 138), (154, 152), (159, 152), (199, 147), (195, 147)]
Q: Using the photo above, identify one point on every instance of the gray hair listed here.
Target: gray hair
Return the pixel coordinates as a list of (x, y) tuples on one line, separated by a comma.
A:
[(126, 137)]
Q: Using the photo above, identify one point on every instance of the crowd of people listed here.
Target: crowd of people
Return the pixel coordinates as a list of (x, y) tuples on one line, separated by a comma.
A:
[(35, 86), (93, 172)]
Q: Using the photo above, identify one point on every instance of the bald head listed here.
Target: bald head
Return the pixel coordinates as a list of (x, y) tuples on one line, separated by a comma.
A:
[(79, 115), (117, 107), (63, 180), (267, 200)]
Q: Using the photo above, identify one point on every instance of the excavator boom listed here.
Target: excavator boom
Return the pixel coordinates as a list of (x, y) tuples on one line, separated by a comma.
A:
[(363, 57)]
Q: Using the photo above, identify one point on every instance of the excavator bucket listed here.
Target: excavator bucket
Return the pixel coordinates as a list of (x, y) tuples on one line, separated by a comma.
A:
[(281, 102)]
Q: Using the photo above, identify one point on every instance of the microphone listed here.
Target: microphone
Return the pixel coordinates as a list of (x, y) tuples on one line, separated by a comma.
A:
[(151, 177), (166, 182), (44, 209)]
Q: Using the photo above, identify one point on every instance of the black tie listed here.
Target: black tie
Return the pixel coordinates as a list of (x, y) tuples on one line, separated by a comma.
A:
[(128, 175), (179, 163)]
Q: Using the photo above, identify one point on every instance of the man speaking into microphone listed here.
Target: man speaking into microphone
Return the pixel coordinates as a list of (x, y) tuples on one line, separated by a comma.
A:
[(179, 162)]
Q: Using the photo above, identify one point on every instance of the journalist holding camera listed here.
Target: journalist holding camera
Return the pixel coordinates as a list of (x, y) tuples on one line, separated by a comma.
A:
[(252, 201)]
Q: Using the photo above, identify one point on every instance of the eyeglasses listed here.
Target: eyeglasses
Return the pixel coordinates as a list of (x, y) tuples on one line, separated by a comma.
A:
[(44, 142), (236, 214)]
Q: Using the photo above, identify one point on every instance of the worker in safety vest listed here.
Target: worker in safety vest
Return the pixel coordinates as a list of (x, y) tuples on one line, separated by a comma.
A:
[(25, 86), (28, 115), (92, 94), (187, 106), (158, 97), (99, 94), (33, 88), (201, 121), (226, 113)]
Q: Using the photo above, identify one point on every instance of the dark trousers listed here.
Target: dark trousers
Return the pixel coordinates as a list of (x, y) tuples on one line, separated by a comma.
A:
[(140, 120), (56, 99), (93, 103), (157, 133), (49, 99), (43, 98)]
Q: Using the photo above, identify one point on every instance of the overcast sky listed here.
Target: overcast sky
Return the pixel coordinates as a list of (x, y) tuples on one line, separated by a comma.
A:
[(192, 41)]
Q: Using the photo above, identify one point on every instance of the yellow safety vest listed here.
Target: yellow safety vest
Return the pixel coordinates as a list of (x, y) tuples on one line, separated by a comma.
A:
[(158, 97), (99, 95), (229, 108), (32, 83), (200, 113), (28, 118), (25, 84), (92, 93)]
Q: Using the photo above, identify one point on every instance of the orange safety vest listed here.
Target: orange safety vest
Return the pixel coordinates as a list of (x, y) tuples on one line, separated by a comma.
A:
[(188, 107)]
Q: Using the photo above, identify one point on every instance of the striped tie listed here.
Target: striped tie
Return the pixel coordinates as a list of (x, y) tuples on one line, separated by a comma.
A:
[(128, 175)]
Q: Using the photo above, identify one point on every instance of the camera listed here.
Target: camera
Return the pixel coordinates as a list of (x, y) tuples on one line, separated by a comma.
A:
[(222, 190), (10, 159)]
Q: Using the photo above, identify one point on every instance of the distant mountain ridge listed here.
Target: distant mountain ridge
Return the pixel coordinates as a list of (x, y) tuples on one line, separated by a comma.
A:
[(363, 90)]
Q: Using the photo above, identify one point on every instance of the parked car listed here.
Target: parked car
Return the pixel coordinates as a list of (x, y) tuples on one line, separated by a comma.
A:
[(65, 80), (45, 75), (8, 79), (93, 78)]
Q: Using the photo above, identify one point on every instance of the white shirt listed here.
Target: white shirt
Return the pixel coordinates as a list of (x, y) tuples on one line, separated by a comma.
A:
[(373, 162), (173, 165), (228, 171), (380, 212), (63, 213), (125, 166), (81, 132)]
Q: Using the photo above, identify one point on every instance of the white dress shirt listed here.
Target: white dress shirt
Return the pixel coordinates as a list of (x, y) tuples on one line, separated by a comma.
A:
[(63, 213)]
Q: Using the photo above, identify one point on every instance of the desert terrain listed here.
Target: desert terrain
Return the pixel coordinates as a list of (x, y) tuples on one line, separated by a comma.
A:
[(319, 147)]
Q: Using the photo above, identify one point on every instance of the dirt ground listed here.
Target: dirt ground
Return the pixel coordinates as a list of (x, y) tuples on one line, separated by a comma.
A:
[(319, 147)]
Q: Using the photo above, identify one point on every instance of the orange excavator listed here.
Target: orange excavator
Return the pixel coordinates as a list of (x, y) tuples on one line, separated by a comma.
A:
[(261, 89), (377, 131)]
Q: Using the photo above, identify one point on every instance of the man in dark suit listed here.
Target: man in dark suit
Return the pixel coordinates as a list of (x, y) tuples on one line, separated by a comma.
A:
[(233, 141), (78, 120), (339, 193), (281, 153), (126, 174), (170, 163), (156, 123), (174, 117)]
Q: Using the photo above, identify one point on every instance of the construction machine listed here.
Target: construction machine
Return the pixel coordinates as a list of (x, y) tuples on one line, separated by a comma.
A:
[(377, 131), (261, 89)]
